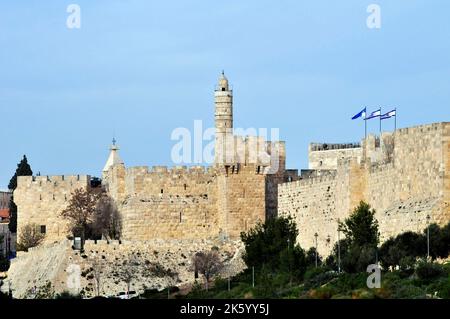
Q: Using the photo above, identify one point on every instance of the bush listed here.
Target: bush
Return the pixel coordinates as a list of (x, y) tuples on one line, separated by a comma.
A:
[(406, 246), (67, 295), (4, 264), (427, 271), (319, 278), (311, 257), (30, 236), (439, 241)]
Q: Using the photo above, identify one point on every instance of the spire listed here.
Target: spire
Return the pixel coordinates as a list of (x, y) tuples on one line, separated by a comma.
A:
[(114, 157), (223, 82)]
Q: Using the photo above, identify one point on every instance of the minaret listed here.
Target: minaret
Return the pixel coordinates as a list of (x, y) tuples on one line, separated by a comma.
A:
[(223, 97), (113, 158)]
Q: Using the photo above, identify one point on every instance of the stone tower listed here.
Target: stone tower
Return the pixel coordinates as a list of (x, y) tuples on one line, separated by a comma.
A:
[(113, 158), (223, 118)]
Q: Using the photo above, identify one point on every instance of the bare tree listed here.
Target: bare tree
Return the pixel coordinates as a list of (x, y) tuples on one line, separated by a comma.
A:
[(81, 210), (30, 236), (97, 272), (129, 270), (107, 219), (208, 264)]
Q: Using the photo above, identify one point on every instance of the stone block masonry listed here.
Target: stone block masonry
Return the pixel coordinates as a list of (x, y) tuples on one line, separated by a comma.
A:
[(216, 202), (404, 176), (40, 200)]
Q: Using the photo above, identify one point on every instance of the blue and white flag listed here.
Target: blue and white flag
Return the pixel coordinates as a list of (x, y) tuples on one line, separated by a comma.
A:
[(389, 114), (374, 114), (362, 113)]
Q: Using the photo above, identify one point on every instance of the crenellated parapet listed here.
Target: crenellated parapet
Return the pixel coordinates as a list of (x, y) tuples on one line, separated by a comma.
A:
[(40, 200), (403, 175)]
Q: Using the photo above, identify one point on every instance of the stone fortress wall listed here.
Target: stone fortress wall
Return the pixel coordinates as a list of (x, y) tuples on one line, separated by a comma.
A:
[(40, 199), (195, 202), (404, 176), (239, 190)]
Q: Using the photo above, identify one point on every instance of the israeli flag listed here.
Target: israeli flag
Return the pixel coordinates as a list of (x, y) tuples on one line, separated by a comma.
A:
[(388, 115), (376, 113), (362, 113)]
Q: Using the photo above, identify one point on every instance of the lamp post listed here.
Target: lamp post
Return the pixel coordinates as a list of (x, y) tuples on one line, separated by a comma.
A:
[(428, 237), (339, 247), (316, 235), (289, 260)]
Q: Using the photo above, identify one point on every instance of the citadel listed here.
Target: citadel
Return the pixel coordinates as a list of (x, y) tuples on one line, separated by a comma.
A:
[(404, 175)]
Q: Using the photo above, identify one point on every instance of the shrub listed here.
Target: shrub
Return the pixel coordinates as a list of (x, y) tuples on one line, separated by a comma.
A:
[(67, 295), (405, 247), (311, 257), (427, 271), (30, 236), (4, 264)]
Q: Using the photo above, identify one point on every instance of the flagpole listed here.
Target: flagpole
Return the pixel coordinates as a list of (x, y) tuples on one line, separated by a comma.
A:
[(365, 128), (395, 120), (380, 121)]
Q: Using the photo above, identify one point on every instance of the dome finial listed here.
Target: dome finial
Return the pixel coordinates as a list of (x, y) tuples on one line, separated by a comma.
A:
[(223, 82)]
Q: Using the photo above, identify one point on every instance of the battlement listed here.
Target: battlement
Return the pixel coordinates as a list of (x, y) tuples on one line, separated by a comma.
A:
[(310, 180), (318, 147), (55, 179), (167, 170), (236, 149), (422, 128)]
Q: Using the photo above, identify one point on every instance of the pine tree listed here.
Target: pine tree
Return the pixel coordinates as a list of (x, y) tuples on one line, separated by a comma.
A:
[(23, 169)]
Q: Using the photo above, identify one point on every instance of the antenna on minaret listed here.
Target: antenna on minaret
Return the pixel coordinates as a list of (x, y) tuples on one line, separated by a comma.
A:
[(114, 137)]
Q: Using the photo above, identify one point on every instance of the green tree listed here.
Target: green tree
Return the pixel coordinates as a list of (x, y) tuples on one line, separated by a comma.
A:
[(359, 247), (272, 245), (311, 257), (439, 240), (23, 169), (361, 228), (406, 246)]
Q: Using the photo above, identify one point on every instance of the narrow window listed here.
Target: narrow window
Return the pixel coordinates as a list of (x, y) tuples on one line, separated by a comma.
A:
[(43, 229), (181, 218), (185, 186), (162, 191)]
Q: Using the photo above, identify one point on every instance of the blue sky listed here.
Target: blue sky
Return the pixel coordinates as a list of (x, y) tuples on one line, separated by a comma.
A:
[(142, 68)]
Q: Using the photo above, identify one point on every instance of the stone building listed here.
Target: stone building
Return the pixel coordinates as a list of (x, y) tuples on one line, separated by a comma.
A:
[(215, 202), (404, 176)]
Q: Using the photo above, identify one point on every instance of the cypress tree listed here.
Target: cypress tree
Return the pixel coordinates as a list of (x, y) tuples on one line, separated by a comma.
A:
[(23, 169)]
